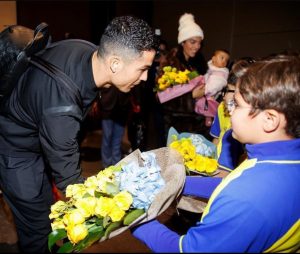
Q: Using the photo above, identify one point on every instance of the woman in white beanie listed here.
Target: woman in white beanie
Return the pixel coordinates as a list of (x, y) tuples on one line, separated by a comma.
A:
[(179, 112)]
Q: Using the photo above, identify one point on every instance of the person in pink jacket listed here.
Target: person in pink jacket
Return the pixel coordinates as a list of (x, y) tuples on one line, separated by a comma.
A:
[(215, 80)]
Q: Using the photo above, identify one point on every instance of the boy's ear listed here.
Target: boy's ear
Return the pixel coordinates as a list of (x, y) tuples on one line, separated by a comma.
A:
[(271, 120)]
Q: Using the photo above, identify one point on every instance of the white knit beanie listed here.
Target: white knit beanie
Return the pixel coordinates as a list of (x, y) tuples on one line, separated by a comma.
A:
[(188, 28)]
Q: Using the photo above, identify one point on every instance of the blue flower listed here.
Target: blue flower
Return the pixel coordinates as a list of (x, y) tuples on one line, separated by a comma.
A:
[(143, 182), (203, 146)]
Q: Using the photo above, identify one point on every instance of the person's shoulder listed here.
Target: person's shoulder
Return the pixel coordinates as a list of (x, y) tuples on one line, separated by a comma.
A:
[(71, 45)]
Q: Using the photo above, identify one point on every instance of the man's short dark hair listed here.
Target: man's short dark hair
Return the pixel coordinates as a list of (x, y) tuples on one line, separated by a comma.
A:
[(127, 35)]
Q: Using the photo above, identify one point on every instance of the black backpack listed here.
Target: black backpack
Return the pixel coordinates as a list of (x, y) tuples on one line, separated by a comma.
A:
[(19, 46)]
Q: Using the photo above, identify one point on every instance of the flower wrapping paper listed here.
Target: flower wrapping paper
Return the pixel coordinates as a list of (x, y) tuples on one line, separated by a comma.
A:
[(178, 90), (203, 146), (173, 173)]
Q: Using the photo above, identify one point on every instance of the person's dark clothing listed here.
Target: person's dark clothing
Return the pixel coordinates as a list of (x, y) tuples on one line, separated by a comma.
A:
[(115, 105), (39, 125), (179, 112)]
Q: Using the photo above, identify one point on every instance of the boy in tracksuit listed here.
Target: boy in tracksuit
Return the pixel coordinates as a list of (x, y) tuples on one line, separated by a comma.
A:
[(256, 208)]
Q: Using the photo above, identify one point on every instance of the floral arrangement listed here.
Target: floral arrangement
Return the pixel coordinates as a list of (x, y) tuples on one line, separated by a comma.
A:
[(171, 77), (112, 199), (197, 155)]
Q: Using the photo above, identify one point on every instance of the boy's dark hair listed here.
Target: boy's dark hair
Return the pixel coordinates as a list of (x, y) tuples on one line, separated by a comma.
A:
[(238, 69), (127, 35), (274, 83)]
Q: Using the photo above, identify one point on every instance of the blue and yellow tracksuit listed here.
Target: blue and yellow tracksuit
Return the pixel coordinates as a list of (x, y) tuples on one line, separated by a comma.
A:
[(229, 150), (256, 208)]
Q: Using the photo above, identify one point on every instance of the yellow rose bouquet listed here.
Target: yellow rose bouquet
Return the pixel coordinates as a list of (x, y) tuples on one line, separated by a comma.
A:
[(198, 153), (118, 197), (171, 77), (173, 83)]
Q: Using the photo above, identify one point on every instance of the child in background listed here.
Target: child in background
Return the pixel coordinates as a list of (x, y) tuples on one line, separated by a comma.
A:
[(217, 74), (229, 150), (215, 80), (256, 208)]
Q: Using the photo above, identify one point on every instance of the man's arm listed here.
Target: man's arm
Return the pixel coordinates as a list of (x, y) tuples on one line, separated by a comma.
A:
[(58, 132)]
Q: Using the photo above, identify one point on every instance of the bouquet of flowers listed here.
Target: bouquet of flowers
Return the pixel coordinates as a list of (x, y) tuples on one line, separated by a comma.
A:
[(133, 191), (174, 83), (198, 153)]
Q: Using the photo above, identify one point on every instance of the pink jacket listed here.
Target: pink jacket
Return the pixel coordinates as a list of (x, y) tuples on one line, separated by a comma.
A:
[(215, 79)]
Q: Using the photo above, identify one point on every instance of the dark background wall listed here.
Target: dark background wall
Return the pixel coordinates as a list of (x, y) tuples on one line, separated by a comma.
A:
[(245, 28)]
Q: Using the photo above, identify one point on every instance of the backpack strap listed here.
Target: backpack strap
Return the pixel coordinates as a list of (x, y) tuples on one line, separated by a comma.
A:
[(58, 75), (39, 42)]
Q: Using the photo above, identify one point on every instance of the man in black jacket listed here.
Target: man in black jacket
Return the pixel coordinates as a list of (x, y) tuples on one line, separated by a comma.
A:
[(40, 121)]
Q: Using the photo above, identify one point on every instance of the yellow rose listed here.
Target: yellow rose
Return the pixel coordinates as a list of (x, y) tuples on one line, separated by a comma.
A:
[(76, 233), (103, 177), (211, 165), (54, 215), (73, 217), (175, 144), (104, 206), (190, 164), (57, 224), (91, 184), (123, 200), (116, 213), (58, 209), (167, 68), (86, 206), (75, 191), (59, 206)]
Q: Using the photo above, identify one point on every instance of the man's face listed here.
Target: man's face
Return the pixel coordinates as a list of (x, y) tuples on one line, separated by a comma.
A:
[(133, 72)]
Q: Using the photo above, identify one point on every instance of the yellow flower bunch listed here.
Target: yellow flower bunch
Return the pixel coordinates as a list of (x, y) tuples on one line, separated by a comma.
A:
[(192, 160), (171, 76), (92, 211)]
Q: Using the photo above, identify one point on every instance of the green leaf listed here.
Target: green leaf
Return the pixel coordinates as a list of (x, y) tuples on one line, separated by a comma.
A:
[(95, 233), (106, 221), (188, 172), (86, 195), (99, 221), (66, 248), (132, 216), (56, 235), (113, 226), (193, 74), (98, 194)]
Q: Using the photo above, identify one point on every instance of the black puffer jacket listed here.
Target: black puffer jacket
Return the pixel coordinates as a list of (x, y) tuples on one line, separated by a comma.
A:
[(41, 118), (115, 105)]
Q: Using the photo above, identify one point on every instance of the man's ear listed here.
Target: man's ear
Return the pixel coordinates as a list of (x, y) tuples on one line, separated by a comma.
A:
[(115, 64), (271, 120)]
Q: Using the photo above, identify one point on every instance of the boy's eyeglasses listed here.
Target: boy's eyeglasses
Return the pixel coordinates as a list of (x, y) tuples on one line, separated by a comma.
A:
[(232, 105), (225, 91)]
